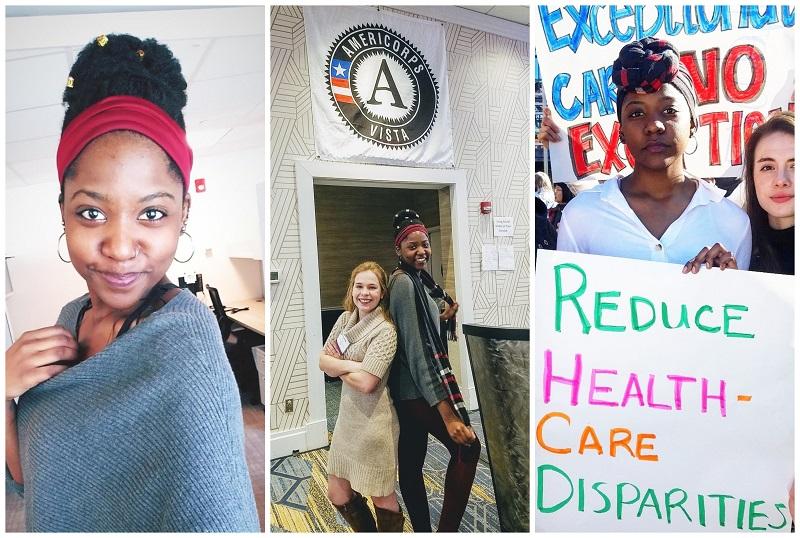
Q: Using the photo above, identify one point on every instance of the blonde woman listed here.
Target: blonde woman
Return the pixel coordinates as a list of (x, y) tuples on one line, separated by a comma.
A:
[(363, 456)]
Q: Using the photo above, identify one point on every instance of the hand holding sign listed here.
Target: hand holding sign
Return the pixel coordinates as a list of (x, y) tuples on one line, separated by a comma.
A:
[(716, 256), (549, 131)]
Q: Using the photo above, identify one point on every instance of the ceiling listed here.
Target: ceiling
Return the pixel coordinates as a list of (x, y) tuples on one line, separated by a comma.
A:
[(517, 14), (222, 54)]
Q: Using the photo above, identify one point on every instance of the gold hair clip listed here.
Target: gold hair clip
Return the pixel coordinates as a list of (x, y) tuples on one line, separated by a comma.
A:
[(70, 82), (102, 40), (140, 53)]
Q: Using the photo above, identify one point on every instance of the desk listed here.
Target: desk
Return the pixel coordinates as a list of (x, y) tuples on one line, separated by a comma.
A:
[(253, 318)]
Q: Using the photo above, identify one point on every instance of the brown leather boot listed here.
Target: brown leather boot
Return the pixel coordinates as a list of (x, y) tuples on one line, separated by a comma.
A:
[(389, 521), (357, 514)]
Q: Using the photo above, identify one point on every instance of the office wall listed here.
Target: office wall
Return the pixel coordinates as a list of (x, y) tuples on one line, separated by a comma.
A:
[(489, 80), (43, 283)]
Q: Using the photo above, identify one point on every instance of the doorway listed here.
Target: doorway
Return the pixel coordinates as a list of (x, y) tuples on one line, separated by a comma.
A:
[(354, 225), (313, 174)]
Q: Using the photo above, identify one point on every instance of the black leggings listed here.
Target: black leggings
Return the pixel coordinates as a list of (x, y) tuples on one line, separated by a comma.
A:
[(417, 420)]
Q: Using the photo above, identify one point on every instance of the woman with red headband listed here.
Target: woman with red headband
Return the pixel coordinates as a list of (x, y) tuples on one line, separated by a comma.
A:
[(422, 385), (128, 417)]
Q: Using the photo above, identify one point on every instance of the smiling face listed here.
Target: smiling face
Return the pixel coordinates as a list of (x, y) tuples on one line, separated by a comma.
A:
[(773, 177), (366, 292), (656, 127), (415, 250), (122, 211)]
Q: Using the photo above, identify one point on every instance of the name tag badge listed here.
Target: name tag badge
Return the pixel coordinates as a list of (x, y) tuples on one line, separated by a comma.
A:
[(343, 343)]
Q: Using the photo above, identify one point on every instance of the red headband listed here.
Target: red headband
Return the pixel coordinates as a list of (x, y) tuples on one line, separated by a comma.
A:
[(408, 230), (124, 113)]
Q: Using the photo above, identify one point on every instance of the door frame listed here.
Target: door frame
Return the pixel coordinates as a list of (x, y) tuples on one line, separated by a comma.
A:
[(310, 173)]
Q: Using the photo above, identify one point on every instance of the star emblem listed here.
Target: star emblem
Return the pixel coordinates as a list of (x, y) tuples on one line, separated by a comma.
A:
[(340, 71)]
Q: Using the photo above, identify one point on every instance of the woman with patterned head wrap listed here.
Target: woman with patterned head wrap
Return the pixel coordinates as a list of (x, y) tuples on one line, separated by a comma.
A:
[(658, 212), (423, 387)]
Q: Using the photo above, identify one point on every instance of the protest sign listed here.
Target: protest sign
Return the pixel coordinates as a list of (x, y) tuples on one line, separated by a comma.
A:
[(663, 401), (741, 60)]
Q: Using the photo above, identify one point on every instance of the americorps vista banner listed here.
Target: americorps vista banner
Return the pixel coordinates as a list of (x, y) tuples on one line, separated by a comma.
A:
[(378, 87)]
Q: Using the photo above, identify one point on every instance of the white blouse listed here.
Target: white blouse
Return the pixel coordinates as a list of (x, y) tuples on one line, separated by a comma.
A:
[(600, 221)]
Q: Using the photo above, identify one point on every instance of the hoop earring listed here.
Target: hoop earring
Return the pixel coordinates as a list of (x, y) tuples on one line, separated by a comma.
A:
[(184, 232), (58, 248), (696, 144), (623, 156)]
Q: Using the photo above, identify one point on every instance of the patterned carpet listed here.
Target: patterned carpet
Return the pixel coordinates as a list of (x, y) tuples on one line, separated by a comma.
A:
[(298, 486)]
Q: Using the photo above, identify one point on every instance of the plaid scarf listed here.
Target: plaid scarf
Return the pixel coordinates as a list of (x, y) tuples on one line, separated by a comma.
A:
[(433, 343), (437, 292)]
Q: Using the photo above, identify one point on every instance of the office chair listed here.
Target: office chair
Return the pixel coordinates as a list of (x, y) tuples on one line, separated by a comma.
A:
[(224, 321), (237, 348)]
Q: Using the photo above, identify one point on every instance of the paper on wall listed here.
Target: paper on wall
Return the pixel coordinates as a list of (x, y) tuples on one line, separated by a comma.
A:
[(489, 258), (505, 254)]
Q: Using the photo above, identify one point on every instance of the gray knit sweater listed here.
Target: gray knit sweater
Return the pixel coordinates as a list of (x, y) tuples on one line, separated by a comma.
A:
[(413, 375), (146, 435)]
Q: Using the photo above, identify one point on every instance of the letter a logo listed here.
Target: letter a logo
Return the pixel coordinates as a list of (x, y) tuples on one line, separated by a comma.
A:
[(383, 98), (392, 87)]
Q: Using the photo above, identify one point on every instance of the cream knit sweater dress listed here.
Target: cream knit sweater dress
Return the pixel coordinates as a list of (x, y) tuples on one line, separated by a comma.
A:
[(364, 445)]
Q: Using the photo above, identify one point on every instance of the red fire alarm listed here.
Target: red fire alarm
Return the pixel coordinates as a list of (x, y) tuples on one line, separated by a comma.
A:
[(486, 208), (200, 184)]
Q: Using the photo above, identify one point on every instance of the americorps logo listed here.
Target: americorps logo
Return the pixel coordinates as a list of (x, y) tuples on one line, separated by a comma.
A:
[(381, 86)]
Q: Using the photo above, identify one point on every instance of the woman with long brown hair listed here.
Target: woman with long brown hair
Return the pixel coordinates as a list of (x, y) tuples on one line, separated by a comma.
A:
[(769, 200)]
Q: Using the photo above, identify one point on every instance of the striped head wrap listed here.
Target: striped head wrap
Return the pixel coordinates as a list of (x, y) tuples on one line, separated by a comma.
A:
[(646, 65)]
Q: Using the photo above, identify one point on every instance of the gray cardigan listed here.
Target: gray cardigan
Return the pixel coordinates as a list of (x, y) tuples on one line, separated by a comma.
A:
[(412, 374), (144, 436)]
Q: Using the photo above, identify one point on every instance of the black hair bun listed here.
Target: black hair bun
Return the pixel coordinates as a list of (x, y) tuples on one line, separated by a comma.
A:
[(122, 64), (645, 64), (403, 218)]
